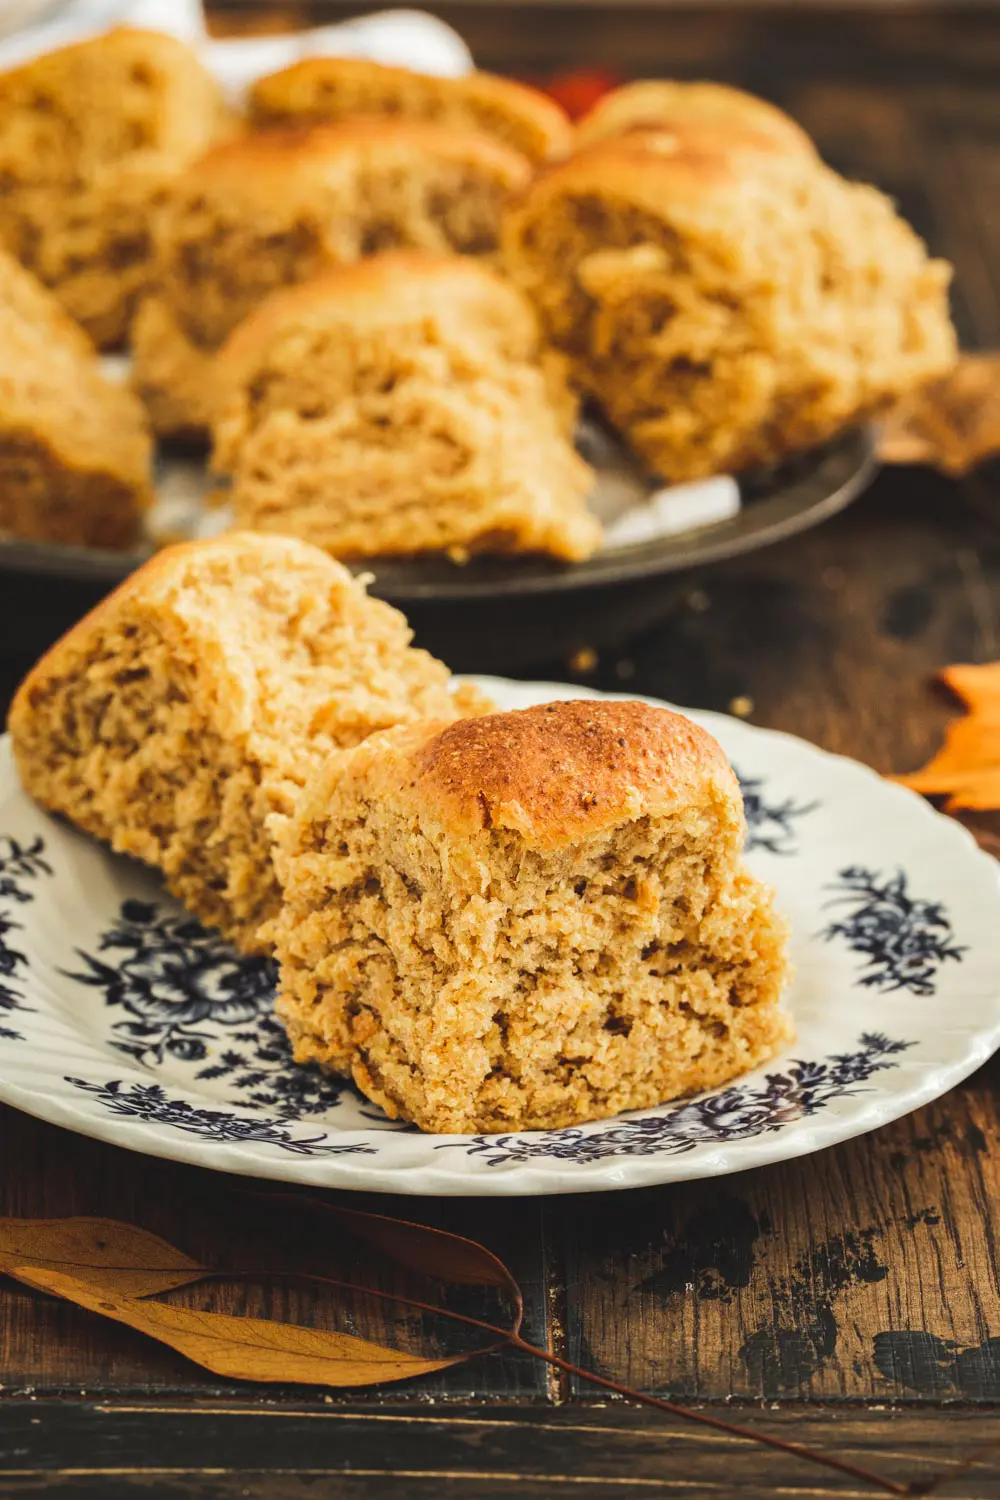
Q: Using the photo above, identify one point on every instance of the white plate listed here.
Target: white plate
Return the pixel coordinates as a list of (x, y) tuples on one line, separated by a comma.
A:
[(121, 1018)]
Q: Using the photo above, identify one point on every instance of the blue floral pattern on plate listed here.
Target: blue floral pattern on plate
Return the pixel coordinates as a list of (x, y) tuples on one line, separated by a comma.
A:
[(171, 1045), (771, 822), (185, 990), (19, 864), (903, 939), (733, 1114), (148, 1101)]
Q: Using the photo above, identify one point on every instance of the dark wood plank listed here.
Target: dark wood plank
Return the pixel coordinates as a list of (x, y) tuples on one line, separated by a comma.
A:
[(742, 41), (83, 1451), (870, 1272)]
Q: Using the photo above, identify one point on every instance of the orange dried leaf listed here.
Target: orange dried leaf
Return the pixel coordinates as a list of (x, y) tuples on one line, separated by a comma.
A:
[(952, 424), (102, 1253), (106, 1267), (966, 770), (245, 1348), (977, 686)]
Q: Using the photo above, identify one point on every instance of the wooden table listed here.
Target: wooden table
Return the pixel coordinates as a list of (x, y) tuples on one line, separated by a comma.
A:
[(850, 1300)]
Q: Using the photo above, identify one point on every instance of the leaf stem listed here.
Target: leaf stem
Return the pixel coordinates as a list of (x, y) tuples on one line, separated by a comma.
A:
[(797, 1450), (512, 1337)]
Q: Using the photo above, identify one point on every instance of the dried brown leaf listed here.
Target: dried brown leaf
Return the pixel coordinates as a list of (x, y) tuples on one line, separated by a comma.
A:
[(430, 1252), (102, 1253), (245, 1348), (952, 424)]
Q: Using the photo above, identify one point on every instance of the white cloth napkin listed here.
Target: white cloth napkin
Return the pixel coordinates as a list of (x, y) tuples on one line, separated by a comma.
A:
[(408, 38)]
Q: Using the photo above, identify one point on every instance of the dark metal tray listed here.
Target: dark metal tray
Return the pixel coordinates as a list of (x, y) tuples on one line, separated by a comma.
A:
[(776, 504)]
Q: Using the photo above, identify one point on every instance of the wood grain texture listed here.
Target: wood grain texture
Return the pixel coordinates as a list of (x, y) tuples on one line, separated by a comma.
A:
[(223, 1451), (48, 1345), (869, 1272)]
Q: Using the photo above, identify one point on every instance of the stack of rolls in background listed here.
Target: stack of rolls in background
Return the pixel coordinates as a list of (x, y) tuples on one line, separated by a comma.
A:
[(684, 260)]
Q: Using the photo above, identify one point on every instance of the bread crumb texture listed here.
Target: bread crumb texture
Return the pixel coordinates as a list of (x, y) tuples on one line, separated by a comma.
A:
[(327, 89), (75, 451), (276, 208), (726, 297), (180, 719), (528, 920), (90, 137), (402, 405)]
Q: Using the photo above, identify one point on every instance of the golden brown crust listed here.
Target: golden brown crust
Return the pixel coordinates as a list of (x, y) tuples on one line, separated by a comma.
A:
[(532, 924), (283, 159), (654, 103), (83, 72), (554, 774), (405, 404), (263, 212), (686, 164), (380, 287), (560, 771), (75, 449), (91, 135), (125, 41), (159, 570), (548, 121), (729, 302), (328, 88)]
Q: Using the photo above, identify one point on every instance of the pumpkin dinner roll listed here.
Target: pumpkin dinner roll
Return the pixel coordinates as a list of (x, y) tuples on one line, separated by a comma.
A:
[(652, 103), (90, 136), (179, 720), (75, 451), (23, 295), (402, 405), (528, 919), (319, 90), (270, 210), (728, 301)]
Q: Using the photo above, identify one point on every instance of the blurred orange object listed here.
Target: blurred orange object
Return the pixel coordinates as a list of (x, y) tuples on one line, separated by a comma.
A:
[(952, 424), (578, 90), (966, 770)]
